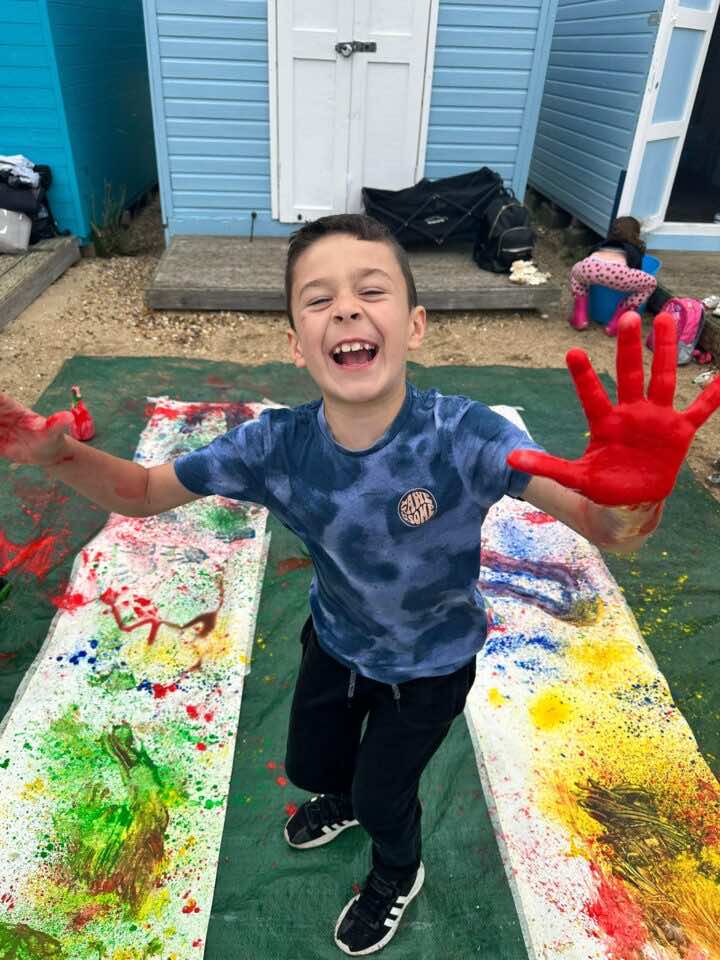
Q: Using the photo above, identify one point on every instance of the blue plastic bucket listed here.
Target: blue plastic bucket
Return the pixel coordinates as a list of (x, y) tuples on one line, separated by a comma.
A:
[(603, 300)]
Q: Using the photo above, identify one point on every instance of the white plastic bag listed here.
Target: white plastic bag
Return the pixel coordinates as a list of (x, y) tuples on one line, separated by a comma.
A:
[(14, 231)]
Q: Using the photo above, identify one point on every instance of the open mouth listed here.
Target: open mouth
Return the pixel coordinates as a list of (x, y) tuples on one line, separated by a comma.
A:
[(354, 353)]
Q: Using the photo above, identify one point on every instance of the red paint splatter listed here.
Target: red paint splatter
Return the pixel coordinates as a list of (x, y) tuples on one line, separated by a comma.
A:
[(290, 809), (8, 901), (538, 516), (271, 765), (618, 916), (292, 563), (204, 621), (38, 556), (197, 943), (70, 601), (356, 888), (160, 691), (191, 906), (86, 914), (192, 712), (207, 717), (195, 412), (281, 781), (202, 747)]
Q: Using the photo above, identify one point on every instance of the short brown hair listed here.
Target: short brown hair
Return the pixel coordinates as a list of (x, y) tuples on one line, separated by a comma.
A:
[(626, 230), (356, 225)]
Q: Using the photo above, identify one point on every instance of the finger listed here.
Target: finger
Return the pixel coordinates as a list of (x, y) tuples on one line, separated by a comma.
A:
[(593, 397), (629, 361), (704, 405), (9, 405), (664, 364), (60, 422), (544, 465)]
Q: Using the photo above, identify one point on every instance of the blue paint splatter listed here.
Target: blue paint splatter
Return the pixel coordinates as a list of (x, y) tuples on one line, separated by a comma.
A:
[(503, 644)]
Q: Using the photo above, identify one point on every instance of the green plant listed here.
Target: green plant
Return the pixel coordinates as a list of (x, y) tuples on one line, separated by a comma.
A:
[(108, 230)]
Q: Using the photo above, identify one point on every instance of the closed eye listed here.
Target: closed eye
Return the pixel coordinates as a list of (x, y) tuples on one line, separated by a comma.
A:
[(372, 293), (318, 300)]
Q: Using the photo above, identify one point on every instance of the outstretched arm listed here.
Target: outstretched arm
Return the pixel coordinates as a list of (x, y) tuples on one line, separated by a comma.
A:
[(636, 446), (617, 529), (114, 484)]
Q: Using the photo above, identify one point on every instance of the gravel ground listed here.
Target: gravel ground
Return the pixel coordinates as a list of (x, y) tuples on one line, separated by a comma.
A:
[(97, 308)]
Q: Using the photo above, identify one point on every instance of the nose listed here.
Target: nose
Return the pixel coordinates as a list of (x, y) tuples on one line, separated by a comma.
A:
[(346, 308)]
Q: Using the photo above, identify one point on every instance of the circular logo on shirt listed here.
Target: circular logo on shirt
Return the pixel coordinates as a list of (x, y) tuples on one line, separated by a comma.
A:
[(417, 507)]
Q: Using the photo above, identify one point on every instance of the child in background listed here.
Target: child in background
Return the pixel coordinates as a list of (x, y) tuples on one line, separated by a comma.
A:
[(388, 487), (615, 263)]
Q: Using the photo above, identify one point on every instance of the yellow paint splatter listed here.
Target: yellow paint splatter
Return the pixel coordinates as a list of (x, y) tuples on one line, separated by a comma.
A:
[(495, 698), (154, 905), (549, 710), (33, 790)]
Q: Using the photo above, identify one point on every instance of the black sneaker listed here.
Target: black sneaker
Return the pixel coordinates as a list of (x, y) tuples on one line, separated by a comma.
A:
[(370, 920), (319, 820)]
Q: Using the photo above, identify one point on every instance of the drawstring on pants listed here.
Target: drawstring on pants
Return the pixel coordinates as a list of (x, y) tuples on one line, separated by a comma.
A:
[(351, 691)]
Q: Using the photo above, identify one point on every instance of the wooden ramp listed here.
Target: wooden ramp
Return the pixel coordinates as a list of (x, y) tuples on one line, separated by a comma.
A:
[(232, 273), (24, 276)]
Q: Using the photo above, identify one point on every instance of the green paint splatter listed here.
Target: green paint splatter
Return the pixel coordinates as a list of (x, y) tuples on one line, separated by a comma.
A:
[(113, 682), (20, 942), (228, 524), (111, 817)]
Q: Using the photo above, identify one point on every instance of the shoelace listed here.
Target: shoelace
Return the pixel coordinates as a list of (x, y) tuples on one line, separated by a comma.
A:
[(375, 899), (326, 809)]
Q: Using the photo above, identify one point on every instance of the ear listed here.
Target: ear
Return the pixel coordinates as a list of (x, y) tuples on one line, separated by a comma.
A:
[(296, 349), (417, 327)]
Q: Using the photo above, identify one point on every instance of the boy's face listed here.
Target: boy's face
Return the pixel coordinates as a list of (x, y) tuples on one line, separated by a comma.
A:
[(353, 324)]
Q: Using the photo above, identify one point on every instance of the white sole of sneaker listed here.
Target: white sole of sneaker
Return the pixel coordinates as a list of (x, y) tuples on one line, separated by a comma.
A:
[(325, 838), (392, 930)]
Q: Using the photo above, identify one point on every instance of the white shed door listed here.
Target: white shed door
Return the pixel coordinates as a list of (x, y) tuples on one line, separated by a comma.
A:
[(680, 50), (345, 119)]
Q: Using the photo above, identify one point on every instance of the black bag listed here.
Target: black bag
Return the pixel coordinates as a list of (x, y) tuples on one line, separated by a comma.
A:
[(435, 211), (504, 235)]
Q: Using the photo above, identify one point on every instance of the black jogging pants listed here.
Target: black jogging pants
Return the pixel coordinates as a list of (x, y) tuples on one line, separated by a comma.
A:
[(381, 769)]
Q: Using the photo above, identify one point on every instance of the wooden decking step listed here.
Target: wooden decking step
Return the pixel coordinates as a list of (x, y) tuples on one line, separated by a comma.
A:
[(233, 273), (24, 276)]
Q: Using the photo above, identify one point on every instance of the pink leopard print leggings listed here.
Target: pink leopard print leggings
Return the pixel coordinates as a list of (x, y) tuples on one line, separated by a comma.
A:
[(617, 276)]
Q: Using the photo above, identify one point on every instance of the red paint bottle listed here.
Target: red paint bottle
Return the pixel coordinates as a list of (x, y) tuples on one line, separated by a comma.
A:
[(82, 427)]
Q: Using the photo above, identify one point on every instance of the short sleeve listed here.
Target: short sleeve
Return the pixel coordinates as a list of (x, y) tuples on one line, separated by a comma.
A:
[(233, 465), (481, 442)]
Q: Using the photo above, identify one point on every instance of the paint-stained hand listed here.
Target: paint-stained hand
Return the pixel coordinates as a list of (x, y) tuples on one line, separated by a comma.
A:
[(27, 437), (637, 445)]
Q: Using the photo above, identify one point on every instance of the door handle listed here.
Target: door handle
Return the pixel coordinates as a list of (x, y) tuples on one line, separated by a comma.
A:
[(348, 48)]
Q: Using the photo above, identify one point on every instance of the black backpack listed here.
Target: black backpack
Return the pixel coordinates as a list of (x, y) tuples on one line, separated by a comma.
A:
[(435, 212), (504, 235)]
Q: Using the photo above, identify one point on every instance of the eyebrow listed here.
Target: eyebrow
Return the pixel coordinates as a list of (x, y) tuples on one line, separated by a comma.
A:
[(360, 275)]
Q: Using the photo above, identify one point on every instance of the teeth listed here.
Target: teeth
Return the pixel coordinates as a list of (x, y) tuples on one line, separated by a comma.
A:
[(352, 347)]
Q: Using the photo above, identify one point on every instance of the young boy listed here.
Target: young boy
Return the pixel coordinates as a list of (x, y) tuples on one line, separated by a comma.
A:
[(388, 486)]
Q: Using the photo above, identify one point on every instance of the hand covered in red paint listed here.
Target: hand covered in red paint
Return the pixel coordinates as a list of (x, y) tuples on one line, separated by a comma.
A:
[(637, 445), (27, 437)]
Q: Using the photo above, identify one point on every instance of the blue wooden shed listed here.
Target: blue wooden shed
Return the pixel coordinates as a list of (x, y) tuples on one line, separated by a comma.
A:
[(630, 118), (74, 95), (269, 112)]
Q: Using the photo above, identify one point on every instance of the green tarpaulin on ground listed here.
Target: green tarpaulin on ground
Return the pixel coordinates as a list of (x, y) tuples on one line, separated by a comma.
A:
[(274, 902)]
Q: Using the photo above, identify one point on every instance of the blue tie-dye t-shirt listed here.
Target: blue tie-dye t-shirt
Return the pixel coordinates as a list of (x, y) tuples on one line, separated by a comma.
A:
[(393, 530)]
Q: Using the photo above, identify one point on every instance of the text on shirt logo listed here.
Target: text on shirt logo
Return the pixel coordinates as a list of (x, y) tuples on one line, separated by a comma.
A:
[(417, 507)]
